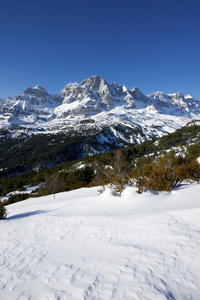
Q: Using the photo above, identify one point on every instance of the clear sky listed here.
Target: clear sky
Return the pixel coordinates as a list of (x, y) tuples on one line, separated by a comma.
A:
[(150, 44)]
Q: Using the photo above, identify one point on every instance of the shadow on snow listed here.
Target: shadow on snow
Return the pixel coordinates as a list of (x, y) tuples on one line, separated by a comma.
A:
[(26, 215), (33, 213)]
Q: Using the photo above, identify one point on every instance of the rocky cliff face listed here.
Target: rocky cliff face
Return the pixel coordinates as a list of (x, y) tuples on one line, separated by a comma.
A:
[(94, 95), (175, 104)]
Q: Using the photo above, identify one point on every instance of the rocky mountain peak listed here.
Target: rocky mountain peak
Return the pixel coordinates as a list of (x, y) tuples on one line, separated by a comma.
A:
[(177, 96), (95, 84), (136, 90), (139, 96), (137, 93), (35, 100), (39, 88), (95, 94), (92, 81), (31, 93)]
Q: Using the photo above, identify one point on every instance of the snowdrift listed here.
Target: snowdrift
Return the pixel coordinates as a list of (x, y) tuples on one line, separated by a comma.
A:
[(82, 245)]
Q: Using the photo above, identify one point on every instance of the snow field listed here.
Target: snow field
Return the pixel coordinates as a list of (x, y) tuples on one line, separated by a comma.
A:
[(79, 245)]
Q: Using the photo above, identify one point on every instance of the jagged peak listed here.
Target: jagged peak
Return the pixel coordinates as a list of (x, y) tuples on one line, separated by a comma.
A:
[(95, 77), (179, 94), (171, 95), (124, 88), (27, 90), (39, 87), (135, 89), (158, 93), (72, 84), (93, 80)]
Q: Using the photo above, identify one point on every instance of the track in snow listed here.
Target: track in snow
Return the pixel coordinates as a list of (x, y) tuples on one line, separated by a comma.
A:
[(84, 246)]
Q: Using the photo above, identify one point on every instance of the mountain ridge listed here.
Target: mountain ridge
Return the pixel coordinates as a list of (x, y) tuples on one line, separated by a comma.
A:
[(88, 118), (97, 95), (35, 109)]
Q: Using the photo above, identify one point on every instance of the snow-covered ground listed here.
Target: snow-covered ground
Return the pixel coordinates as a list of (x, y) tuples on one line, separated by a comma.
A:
[(79, 245)]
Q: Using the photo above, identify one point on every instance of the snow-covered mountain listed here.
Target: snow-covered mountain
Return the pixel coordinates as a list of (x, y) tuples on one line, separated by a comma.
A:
[(92, 97), (32, 101), (111, 115), (95, 95)]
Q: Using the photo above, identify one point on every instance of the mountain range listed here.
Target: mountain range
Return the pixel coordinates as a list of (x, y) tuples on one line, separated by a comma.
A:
[(87, 118)]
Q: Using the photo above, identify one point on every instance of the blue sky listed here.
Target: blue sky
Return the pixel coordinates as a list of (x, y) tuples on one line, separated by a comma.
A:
[(150, 44)]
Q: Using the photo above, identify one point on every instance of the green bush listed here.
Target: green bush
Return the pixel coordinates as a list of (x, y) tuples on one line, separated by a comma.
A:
[(17, 198), (79, 178), (194, 149), (3, 212)]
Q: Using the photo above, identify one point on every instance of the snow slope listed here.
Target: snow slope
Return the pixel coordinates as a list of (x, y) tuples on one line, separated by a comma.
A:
[(79, 245)]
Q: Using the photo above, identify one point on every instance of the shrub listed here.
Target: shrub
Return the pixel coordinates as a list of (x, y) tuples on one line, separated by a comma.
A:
[(116, 182), (17, 198), (188, 171), (116, 177), (161, 179), (165, 172), (157, 175), (3, 211), (79, 178), (194, 149), (119, 183)]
